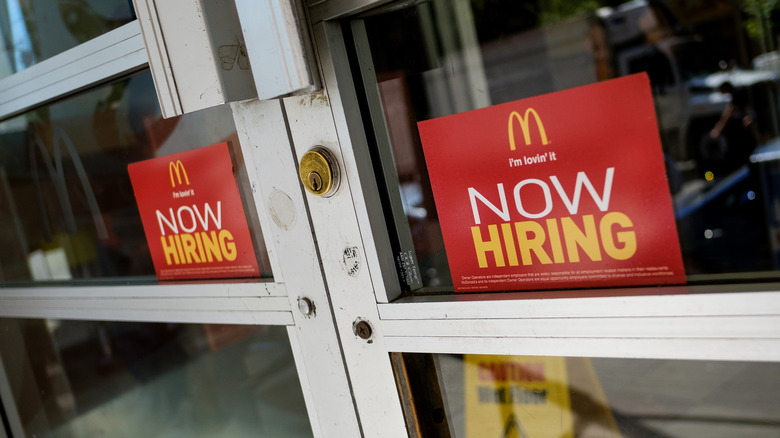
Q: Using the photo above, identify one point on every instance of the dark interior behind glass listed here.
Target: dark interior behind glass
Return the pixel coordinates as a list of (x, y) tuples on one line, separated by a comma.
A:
[(713, 68)]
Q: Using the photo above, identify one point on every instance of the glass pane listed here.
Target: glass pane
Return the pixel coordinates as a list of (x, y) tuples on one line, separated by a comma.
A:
[(35, 30), (67, 206), (713, 70), (523, 396), (124, 379)]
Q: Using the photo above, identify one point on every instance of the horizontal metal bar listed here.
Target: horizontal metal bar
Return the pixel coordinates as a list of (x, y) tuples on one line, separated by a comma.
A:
[(250, 304), (189, 316), (764, 350), (117, 52), (173, 290), (723, 327), (631, 302)]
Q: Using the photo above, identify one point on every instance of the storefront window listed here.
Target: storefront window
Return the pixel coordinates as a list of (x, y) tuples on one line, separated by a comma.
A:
[(713, 74), (522, 396), (33, 31), (124, 379), (67, 205)]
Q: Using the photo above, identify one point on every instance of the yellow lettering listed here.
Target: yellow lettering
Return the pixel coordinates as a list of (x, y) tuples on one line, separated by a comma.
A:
[(169, 249), (227, 245), (199, 241), (533, 243), (190, 248), (211, 246), (201, 247), (627, 238), (509, 242), (177, 240), (555, 240), (493, 245), (574, 237)]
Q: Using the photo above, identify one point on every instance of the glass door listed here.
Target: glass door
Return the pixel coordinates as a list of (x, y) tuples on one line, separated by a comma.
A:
[(97, 337), (580, 357)]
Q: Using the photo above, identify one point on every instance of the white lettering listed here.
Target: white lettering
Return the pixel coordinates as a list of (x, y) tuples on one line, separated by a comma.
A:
[(573, 204), (547, 198), (172, 224), (192, 218), (207, 211), (503, 213)]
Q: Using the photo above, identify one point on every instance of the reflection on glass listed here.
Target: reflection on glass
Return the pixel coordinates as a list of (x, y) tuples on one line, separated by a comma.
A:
[(122, 379), (714, 77), (32, 31), (524, 396), (67, 209)]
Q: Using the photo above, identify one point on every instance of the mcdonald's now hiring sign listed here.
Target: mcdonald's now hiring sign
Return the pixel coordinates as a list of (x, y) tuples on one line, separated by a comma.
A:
[(561, 190), (192, 215)]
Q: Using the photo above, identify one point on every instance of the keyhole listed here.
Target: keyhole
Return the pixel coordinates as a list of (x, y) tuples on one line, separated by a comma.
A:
[(315, 181)]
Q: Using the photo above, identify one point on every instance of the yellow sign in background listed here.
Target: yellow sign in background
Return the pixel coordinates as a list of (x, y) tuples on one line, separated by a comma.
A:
[(511, 396), (534, 397)]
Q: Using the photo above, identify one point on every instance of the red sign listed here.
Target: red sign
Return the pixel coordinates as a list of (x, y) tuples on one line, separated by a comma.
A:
[(192, 215), (555, 191)]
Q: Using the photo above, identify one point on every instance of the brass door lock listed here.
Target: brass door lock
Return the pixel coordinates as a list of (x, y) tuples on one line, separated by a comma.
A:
[(319, 172)]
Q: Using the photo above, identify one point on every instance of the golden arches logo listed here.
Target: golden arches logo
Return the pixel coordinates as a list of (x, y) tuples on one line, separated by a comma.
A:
[(523, 121), (178, 169)]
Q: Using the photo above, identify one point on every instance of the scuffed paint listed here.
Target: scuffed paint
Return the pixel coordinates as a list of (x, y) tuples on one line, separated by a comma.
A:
[(310, 99)]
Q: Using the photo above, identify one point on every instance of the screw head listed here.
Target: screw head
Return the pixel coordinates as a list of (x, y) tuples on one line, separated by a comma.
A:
[(306, 306), (363, 329)]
